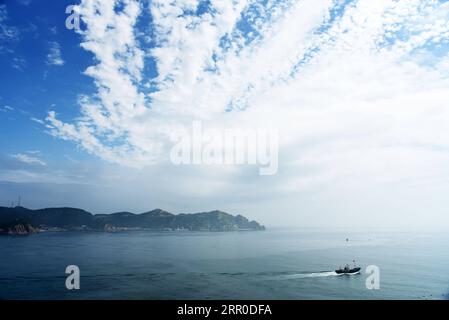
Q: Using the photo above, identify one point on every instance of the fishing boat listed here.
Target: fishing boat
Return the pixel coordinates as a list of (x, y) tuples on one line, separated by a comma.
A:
[(348, 270)]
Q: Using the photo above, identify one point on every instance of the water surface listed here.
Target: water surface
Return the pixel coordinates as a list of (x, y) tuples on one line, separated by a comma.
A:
[(273, 264)]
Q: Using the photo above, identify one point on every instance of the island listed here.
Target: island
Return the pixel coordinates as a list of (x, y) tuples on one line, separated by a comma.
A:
[(23, 221)]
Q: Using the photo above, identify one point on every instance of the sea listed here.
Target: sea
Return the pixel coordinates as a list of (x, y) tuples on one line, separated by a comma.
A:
[(283, 263)]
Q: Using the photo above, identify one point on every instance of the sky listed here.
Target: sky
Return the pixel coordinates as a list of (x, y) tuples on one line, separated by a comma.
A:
[(358, 91)]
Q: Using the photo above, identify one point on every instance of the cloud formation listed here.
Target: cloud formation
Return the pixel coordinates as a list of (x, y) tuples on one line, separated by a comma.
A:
[(7, 32), (358, 89), (54, 57), (28, 159)]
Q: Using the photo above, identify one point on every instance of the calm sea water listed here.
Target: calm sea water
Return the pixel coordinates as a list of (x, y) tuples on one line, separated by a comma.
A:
[(274, 264)]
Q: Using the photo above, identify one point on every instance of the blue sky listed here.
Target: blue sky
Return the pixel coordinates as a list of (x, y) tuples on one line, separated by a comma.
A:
[(358, 90), (32, 86)]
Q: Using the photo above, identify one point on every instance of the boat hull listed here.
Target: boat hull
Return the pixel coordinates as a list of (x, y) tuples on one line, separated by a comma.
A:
[(349, 271)]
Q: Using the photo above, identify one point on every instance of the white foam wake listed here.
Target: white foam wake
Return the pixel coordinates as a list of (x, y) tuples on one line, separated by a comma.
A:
[(308, 275)]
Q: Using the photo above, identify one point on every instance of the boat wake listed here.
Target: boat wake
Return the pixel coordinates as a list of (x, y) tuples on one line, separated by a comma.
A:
[(307, 275), (289, 275)]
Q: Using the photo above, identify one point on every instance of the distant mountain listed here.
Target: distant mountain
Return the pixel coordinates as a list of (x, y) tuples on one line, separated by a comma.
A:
[(23, 221)]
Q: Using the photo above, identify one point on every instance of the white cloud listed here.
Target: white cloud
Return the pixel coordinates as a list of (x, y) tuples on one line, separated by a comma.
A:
[(54, 56), (19, 63), (7, 32), (28, 159), (6, 108), (40, 121), (358, 91), (33, 151), (25, 2)]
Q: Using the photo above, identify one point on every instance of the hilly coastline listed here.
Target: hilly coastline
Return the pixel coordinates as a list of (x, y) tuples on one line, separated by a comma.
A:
[(23, 221)]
